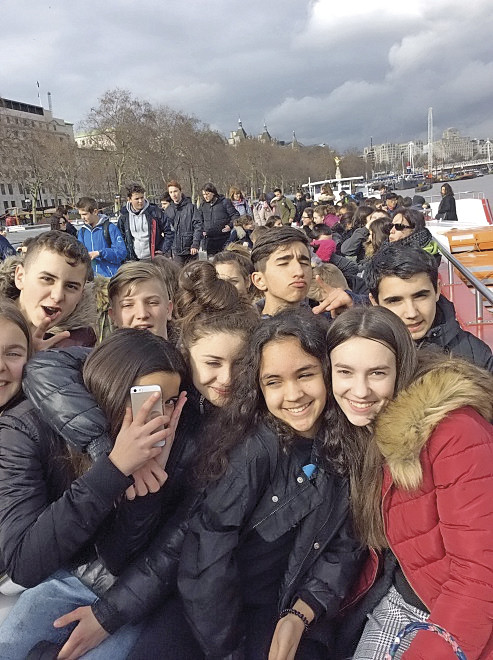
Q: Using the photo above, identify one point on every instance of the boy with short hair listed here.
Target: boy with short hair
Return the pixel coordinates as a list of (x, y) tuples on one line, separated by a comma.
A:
[(145, 229), (186, 221), (405, 280), (139, 298), (48, 287), (283, 272), (101, 237)]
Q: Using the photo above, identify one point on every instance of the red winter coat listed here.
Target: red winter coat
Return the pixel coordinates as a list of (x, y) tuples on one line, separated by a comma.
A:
[(438, 503)]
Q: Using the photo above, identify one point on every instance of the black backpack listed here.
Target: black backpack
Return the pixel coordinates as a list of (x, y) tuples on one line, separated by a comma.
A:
[(106, 231)]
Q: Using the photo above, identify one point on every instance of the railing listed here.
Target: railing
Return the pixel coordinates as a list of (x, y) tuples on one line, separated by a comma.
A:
[(472, 194), (481, 292)]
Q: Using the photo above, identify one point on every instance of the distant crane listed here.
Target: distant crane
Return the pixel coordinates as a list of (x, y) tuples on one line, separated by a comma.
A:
[(430, 141)]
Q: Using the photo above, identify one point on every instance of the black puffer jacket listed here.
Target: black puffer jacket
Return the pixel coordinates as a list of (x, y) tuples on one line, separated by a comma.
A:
[(187, 226), (49, 519), (447, 335), (265, 490), (216, 215)]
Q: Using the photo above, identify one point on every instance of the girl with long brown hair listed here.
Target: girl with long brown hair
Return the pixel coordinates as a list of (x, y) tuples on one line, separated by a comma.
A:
[(60, 510), (421, 487)]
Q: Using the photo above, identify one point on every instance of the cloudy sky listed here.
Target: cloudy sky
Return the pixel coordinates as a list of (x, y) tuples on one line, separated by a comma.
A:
[(335, 72)]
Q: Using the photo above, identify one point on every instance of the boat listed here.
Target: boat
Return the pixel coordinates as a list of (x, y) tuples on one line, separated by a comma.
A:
[(423, 186), (405, 183), (346, 185), (469, 242)]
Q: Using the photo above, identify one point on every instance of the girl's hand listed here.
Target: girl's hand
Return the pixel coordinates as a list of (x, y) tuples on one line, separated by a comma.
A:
[(87, 634), (288, 633), (152, 475), (136, 442), (148, 479), (287, 637)]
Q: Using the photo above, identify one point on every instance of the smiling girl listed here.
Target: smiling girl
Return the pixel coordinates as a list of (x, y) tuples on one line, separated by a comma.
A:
[(423, 495), (60, 510), (266, 547), (15, 349)]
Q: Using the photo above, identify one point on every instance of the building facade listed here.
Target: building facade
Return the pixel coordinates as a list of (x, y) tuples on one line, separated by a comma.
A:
[(21, 124)]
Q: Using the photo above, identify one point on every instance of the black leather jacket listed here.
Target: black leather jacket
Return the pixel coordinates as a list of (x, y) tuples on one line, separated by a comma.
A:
[(266, 490), (447, 335)]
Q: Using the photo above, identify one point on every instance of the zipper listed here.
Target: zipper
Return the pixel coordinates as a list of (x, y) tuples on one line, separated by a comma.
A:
[(201, 404)]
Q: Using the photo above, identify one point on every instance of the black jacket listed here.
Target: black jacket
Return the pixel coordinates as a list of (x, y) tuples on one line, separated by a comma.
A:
[(160, 231), (151, 577), (187, 225), (215, 215), (48, 518), (6, 249), (354, 246), (265, 490), (446, 209), (447, 335), (300, 205)]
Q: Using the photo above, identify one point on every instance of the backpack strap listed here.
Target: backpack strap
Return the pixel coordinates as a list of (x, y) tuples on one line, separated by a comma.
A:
[(106, 232)]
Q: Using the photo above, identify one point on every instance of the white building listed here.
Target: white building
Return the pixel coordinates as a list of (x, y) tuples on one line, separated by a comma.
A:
[(20, 120)]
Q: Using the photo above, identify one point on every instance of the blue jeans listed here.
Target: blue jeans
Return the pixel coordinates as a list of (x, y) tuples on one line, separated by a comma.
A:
[(31, 620)]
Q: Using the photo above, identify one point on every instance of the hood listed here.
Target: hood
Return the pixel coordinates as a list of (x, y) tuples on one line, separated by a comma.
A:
[(142, 211), (7, 273), (100, 292), (84, 315), (403, 428), (102, 219)]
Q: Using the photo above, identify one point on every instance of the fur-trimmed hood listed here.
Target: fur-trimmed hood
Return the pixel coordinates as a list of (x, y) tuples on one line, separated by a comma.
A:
[(84, 315), (403, 428)]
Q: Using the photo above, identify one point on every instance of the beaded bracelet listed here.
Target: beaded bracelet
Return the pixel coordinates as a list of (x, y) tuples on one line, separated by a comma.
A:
[(291, 610)]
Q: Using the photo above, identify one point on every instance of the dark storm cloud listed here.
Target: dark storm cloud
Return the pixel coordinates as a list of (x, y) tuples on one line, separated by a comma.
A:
[(335, 73)]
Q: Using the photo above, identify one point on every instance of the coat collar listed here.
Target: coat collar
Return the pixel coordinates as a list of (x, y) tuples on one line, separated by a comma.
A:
[(403, 428)]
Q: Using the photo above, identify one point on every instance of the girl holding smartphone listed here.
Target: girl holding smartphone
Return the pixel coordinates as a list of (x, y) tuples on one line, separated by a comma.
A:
[(215, 326), (60, 510)]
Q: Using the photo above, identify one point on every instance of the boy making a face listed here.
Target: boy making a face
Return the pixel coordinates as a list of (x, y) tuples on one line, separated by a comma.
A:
[(50, 283)]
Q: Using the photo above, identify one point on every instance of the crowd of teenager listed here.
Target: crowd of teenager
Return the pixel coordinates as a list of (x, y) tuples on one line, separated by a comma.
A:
[(317, 474)]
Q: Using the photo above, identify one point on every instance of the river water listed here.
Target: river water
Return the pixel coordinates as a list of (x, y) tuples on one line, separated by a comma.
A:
[(481, 184)]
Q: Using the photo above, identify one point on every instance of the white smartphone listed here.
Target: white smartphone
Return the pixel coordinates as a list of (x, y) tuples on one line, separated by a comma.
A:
[(139, 394)]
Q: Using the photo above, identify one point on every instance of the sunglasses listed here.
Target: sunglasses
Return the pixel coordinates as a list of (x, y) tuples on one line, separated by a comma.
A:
[(399, 227)]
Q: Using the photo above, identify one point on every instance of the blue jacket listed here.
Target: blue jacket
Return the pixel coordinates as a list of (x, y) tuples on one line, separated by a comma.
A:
[(110, 257), (6, 249)]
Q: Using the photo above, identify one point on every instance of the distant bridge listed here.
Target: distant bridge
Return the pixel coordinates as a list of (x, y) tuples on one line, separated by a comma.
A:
[(464, 165)]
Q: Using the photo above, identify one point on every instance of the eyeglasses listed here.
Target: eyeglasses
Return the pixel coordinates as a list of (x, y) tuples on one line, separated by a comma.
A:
[(399, 227)]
